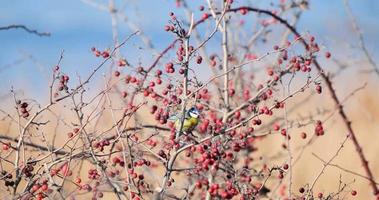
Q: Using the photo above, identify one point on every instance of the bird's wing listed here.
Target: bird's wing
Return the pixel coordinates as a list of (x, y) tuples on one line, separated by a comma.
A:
[(174, 117)]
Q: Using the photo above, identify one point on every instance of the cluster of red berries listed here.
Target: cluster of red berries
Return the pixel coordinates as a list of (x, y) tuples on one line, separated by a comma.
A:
[(161, 115), (133, 174), (225, 193), (199, 60), (209, 157), (142, 162), (93, 174), (28, 170), (265, 110), (100, 145), (63, 80), (169, 67), (39, 189), (118, 161), (312, 46), (151, 142), (175, 27), (319, 130), (205, 95), (213, 60), (8, 178), (318, 89), (297, 63), (87, 187), (130, 79), (162, 154), (74, 131), (104, 54)]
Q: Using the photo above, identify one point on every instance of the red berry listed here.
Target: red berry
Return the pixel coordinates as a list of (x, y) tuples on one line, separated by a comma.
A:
[(6, 147), (276, 127), (158, 81), (198, 184), (285, 166), (97, 53), (243, 11), (122, 63), (312, 39), (105, 54), (44, 187), (205, 16), (303, 135), (78, 180), (328, 54), (199, 59), (35, 187), (159, 72), (318, 89)]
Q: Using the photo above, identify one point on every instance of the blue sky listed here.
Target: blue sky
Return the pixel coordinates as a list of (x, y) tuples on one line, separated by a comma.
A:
[(76, 27)]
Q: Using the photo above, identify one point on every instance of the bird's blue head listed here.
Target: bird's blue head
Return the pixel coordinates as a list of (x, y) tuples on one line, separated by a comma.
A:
[(194, 112)]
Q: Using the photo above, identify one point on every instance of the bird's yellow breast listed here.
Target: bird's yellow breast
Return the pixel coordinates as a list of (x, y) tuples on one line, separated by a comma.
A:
[(188, 125), (193, 121)]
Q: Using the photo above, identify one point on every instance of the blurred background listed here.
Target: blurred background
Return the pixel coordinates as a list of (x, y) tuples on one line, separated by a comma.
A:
[(26, 61), (76, 26)]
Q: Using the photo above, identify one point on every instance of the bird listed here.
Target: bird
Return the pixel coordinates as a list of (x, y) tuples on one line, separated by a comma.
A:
[(191, 120)]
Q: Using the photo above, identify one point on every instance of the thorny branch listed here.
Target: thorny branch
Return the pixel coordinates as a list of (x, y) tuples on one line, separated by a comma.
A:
[(23, 27)]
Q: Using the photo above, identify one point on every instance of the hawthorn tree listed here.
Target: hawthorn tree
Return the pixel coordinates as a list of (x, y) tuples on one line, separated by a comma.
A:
[(113, 138)]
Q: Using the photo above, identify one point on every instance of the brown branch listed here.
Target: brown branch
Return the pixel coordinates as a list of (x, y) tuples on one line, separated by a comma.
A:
[(23, 27), (39, 147)]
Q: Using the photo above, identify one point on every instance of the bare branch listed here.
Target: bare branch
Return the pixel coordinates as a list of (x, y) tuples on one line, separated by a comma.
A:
[(23, 27)]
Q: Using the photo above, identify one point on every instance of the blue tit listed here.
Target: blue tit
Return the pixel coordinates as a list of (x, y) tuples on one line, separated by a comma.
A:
[(190, 121)]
